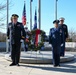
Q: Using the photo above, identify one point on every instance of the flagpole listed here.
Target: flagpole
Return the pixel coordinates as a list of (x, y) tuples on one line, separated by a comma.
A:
[(7, 24), (30, 15), (39, 13), (56, 9)]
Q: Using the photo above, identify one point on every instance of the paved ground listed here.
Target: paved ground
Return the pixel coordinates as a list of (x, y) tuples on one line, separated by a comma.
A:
[(42, 57), (68, 68)]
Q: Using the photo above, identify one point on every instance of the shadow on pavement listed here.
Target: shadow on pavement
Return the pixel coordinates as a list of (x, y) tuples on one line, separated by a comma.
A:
[(69, 67)]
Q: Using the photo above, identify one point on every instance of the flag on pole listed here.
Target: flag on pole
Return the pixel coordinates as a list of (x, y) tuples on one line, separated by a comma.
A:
[(35, 21), (24, 16)]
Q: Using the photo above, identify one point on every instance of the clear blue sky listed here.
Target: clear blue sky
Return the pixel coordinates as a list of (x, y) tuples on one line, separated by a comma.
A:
[(66, 9)]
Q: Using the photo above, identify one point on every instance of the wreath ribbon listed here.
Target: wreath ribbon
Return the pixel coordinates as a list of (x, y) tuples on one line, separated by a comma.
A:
[(36, 38)]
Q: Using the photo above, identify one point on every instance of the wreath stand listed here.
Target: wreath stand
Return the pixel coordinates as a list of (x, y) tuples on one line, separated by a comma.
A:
[(36, 43)]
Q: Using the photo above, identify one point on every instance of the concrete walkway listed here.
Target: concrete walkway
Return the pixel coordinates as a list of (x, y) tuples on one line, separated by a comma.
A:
[(33, 69)]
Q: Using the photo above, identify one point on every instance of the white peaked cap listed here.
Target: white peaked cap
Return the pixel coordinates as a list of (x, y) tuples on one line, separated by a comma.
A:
[(62, 18)]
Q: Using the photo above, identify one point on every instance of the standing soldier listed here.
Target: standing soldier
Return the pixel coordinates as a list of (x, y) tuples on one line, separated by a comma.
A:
[(9, 49), (16, 28), (65, 30), (55, 41), (27, 37)]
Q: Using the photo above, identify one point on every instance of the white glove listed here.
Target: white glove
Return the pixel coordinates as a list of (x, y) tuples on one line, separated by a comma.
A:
[(21, 40), (61, 44), (8, 40)]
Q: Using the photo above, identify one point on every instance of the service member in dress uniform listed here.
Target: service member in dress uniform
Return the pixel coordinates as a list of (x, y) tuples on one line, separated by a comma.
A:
[(55, 40), (9, 48), (65, 30), (27, 37), (14, 31)]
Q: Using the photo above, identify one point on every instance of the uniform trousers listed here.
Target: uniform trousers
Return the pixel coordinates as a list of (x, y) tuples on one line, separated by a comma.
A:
[(62, 53), (56, 55), (15, 53)]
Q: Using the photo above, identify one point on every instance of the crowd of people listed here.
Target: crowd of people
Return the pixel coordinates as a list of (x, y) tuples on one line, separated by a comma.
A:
[(57, 38)]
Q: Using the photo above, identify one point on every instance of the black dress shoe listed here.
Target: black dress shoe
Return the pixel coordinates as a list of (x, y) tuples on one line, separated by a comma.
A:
[(12, 64), (56, 65), (61, 55), (17, 65)]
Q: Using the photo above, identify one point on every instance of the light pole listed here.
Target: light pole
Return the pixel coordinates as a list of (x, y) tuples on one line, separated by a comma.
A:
[(7, 24), (30, 15), (56, 9), (39, 13), (7, 10)]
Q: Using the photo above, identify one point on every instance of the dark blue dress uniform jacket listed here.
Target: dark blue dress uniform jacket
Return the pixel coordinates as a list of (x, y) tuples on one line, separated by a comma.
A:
[(65, 30), (17, 31), (56, 36), (56, 39)]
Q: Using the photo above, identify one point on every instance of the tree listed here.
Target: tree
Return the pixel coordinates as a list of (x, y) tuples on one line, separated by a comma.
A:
[(3, 7), (72, 35), (2, 37)]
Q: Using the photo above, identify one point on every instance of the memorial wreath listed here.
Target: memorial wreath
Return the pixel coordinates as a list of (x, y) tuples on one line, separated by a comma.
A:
[(36, 40)]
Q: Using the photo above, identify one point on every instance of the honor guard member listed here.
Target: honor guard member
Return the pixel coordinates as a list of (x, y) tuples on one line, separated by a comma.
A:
[(65, 30), (55, 41), (27, 37), (9, 49), (16, 28)]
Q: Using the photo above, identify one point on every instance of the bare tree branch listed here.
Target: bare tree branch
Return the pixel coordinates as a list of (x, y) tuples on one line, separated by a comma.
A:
[(72, 34)]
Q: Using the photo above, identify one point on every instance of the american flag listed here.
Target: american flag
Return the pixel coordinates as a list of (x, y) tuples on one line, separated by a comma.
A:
[(35, 21), (24, 16)]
